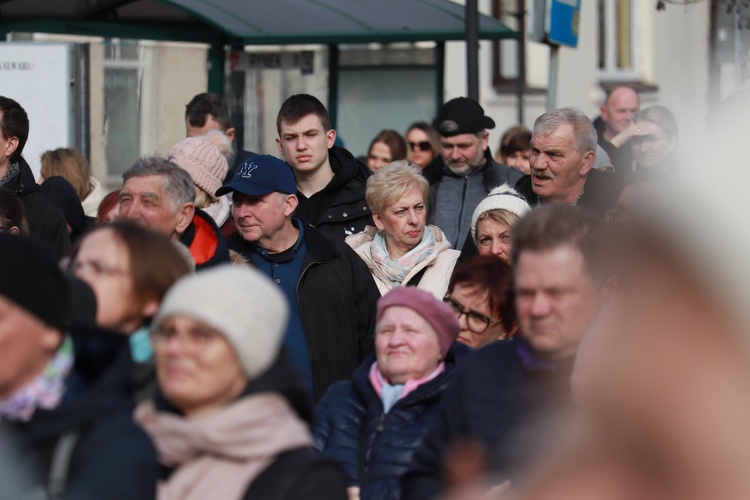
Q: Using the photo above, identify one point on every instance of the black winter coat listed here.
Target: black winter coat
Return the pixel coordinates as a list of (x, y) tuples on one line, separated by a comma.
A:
[(339, 210), (374, 449), (337, 299), (498, 400), (46, 222), (113, 457), (600, 192)]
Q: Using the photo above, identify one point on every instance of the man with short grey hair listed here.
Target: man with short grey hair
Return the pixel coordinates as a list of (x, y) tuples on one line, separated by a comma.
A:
[(159, 195), (563, 152)]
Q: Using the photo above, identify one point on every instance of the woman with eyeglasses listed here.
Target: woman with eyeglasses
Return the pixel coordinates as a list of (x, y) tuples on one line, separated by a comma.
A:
[(482, 298), (372, 425), (402, 249), (230, 419), (130, 269), (388, 146), (423, 143)]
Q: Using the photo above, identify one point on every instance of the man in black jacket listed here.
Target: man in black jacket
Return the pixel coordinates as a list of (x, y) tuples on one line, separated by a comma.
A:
[(330, 181), (563, 151), (465, 172), (46, 222), (65, 399), (331, 293), (510, 394)]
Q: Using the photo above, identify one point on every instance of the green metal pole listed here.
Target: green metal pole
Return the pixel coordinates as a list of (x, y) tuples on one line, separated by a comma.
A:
[(440, 76), (333, 83), (216, 58)]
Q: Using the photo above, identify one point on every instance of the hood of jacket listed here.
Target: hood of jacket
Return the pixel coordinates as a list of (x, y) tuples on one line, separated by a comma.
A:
[(97, 387), (350, 176)]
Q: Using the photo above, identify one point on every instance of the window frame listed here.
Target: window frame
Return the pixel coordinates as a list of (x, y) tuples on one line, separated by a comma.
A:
[(611, 72)]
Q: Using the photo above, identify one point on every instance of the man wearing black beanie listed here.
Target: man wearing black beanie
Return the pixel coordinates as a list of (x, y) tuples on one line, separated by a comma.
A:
[(64, 392)]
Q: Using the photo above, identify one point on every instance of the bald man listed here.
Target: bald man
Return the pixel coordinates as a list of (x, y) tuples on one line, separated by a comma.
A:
[(614, 126)]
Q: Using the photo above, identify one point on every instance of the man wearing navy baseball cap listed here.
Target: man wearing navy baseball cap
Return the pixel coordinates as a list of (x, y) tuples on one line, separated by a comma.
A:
[(331, 293)]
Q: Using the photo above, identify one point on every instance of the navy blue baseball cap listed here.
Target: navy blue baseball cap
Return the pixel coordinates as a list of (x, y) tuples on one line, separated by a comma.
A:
[(259, 175)]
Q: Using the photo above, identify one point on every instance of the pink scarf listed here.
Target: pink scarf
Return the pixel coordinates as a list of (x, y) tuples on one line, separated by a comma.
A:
[(378, 380), (218, 455)]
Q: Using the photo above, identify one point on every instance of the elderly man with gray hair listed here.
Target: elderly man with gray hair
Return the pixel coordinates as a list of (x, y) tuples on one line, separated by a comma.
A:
[(563, 152), (159, 195)]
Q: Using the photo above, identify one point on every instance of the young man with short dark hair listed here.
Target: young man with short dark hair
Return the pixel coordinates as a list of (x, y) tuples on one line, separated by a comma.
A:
[(331, 182)]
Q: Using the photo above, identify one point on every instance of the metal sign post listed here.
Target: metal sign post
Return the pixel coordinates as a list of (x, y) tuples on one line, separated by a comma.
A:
[(555, 23)]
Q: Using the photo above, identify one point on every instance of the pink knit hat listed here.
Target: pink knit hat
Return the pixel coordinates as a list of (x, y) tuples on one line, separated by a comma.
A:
[(203, 161), (438, 314)]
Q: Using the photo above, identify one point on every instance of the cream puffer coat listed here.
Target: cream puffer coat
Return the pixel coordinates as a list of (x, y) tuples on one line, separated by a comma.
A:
[(439, 265)]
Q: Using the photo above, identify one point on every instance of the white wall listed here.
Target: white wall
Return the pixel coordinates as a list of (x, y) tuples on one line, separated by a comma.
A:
[(672, 54)]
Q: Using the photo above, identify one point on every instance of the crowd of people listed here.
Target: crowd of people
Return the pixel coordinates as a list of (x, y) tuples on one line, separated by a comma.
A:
[(565, 318)]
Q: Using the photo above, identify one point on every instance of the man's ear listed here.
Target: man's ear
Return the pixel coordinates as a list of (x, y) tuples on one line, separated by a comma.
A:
[(11, 144), (330, 138), (588, 163), (290, 204), (230, 132), (278, 145), (184, 217), (485, 141)]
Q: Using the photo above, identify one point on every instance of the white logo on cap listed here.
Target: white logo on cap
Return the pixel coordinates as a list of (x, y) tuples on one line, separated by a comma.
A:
[(247, 169)]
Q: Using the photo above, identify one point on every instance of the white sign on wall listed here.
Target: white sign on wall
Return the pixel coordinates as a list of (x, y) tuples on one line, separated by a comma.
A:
[(39, 76)]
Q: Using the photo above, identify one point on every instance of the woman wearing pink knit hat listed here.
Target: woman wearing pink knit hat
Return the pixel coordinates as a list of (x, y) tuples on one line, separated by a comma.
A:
[(206, 158), (372, 425)]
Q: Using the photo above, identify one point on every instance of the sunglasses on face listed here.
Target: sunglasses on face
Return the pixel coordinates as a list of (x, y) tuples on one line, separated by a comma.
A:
[(422, 146)]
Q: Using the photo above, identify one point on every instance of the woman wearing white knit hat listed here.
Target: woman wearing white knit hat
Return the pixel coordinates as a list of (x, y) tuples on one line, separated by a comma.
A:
[(493, 219), (231, 417)]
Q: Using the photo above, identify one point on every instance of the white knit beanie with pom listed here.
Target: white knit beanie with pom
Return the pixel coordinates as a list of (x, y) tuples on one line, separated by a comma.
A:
[(501, 198), (240, 302)]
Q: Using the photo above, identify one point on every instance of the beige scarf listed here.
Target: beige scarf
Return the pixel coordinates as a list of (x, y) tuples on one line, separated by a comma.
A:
[(218, 455)]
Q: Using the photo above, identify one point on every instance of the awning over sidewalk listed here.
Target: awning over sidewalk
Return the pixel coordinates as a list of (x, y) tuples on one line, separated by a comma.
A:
[(250, 22)]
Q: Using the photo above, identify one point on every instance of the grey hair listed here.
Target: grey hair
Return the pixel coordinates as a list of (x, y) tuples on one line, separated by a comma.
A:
[(584, 133), (388, 184), (178, 185), (661, 116)]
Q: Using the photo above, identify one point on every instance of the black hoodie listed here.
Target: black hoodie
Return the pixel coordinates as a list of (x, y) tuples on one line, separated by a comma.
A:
[(339, 209), (113, 457)]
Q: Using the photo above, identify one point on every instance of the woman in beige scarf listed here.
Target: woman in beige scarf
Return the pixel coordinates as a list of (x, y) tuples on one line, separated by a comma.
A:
[(230, 420)]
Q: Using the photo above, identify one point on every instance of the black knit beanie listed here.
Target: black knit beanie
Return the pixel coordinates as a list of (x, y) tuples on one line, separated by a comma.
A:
[(30, 277)]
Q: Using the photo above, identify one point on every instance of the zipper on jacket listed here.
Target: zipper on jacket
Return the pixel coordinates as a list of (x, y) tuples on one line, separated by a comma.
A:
[(304, 329), (461, 211), (380, 427)]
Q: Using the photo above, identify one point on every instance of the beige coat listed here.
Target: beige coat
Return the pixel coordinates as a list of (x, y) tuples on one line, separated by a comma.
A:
[(439, 265)]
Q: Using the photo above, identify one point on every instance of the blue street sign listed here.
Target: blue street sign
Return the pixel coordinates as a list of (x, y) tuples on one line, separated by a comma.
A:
[(562, 19)]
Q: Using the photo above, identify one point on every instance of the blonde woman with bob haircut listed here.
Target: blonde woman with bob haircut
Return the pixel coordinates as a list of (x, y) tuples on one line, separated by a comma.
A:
[(403, 249), (73, 167)]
